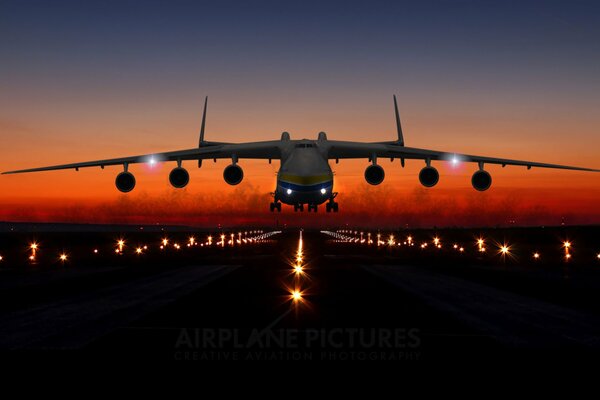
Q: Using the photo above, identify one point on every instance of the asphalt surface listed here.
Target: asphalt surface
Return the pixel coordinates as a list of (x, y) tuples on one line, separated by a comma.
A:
[(363, 308)]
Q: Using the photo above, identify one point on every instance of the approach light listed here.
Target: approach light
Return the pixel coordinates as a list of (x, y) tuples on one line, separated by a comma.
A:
[(296, 295), (567, 244), (63, 257), (139, 250), (33, 246), (536, 255)]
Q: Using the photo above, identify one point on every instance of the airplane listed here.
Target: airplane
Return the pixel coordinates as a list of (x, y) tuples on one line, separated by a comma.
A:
[(305, 176)]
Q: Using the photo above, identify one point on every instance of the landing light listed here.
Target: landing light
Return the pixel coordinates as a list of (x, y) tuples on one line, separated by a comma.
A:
[(323, 191), (289, 191)]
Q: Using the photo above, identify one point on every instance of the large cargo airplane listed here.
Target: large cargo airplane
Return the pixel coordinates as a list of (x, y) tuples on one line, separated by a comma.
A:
[(304, 176)]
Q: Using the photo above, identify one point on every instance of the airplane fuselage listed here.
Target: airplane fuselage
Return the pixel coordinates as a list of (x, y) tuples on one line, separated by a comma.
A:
[(305, 176)]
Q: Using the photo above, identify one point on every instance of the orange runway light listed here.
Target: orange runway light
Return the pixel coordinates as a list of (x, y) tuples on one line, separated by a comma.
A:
[(536, 256), (63, 257), (296, 295)]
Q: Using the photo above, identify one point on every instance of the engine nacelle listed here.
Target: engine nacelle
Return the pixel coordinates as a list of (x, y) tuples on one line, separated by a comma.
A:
[(233, 174), (481, 180), (125, 182), (374, 174), (429, 176), (179, 177)]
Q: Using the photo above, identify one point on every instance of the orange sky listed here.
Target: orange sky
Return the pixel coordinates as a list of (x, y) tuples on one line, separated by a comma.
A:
[(529, 197), (93, 80)]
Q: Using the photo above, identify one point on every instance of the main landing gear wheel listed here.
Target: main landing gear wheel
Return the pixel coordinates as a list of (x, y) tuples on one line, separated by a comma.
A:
[(298, 207), (331, 206), (312, 207), (275, 206)]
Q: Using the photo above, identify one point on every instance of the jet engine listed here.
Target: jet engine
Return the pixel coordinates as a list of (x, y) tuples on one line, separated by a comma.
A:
[(374, 174), (179, 177), (233, 174), (125, 182), (481, 180), (429, 176)]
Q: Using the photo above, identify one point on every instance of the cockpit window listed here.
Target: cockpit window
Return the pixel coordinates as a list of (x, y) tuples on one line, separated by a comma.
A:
[(304, 145)]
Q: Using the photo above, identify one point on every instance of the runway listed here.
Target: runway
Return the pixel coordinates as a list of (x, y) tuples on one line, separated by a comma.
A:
[(75, 321), (513, 320), (355, 305)]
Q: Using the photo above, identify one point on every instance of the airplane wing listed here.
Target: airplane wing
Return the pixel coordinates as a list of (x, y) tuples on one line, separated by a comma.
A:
[(255, 150), (344, 149)]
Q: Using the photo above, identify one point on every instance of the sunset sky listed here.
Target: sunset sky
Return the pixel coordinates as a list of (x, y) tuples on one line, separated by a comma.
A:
[(91, 80)]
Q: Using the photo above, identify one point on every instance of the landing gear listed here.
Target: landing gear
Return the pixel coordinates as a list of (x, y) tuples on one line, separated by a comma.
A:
[(298, 207), (312, 207), (332, 205), (275, 205)]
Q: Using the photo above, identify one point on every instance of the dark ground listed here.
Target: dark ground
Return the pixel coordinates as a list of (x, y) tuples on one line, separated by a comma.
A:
[(403, 304)]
